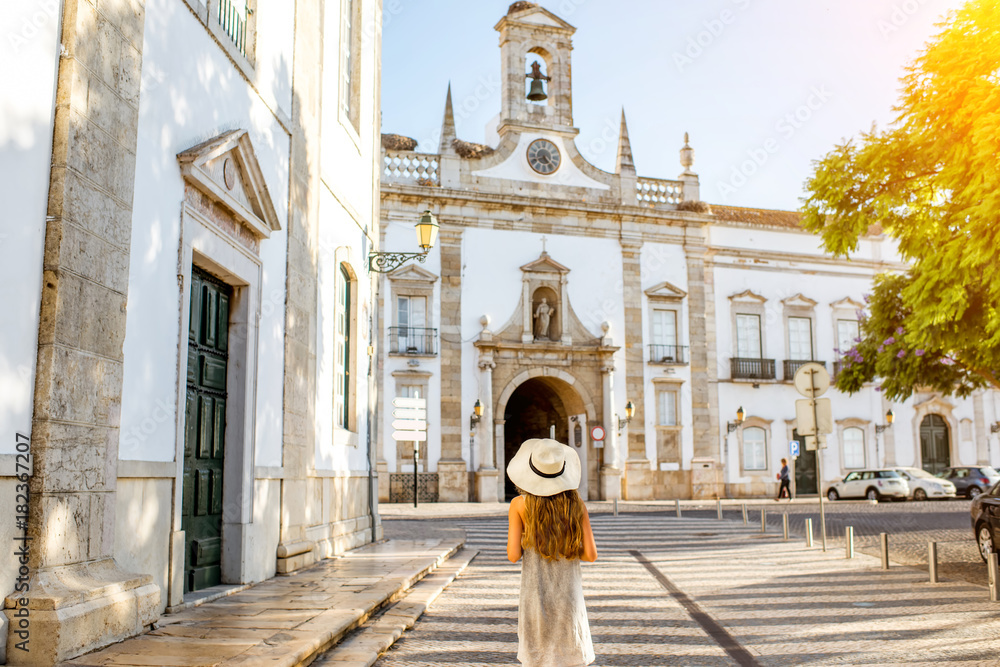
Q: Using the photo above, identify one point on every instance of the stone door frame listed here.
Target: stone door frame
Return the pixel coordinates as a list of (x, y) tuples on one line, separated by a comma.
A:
[(212, 249), (503, 397)]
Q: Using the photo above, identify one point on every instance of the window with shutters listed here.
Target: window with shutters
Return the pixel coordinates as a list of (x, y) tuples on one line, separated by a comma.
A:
[(344, 350), (800, 338), (854, 447), (754, 448), (748, 336), (350, 46), (847, 335)]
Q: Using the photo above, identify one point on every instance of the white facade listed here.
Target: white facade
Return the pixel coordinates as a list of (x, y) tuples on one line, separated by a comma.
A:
[(660, 284), (184, 156)]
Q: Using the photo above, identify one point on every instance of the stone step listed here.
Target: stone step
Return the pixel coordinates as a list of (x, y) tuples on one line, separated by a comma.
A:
[(287, 620), (364, 646)]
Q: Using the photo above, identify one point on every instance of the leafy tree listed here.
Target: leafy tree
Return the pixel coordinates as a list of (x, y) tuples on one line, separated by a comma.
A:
[(931, 181)]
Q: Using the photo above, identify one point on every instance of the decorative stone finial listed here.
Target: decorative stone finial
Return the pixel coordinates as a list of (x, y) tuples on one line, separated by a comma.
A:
[(687, 155), (605, 327), (485, 321)]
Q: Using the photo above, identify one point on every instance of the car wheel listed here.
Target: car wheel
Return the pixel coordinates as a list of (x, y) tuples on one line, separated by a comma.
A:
[(832, 494), (919, 494), (973, 491), (985, 541), (872, 494)]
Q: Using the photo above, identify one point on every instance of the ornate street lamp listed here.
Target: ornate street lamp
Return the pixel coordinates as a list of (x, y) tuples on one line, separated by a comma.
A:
[(889, 417), (427, 231), (477, 414), (629, 411), (732, 426)]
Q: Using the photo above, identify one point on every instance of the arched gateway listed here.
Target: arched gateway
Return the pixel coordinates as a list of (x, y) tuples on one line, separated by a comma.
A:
[(542, 406), (544, 373)]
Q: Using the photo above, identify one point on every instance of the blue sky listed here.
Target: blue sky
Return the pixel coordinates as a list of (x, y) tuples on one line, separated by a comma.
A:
[(763, 86)]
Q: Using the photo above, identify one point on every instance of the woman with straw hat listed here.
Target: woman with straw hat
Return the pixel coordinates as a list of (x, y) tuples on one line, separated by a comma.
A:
[(550, 527)]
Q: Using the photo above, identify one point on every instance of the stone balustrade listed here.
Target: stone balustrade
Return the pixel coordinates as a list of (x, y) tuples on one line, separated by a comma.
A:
[(658, 192), (410, 168)]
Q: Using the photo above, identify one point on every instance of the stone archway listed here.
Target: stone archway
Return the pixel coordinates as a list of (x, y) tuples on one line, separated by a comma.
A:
[(531, 405)]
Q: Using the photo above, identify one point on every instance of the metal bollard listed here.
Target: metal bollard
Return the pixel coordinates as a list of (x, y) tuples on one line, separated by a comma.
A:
[(883, 539), (677, 507), (744, 514), (932, 562), (616, 507), (784, 525), (763, 520), (718, 509), (994, 568), (849, 542), (809, 533)]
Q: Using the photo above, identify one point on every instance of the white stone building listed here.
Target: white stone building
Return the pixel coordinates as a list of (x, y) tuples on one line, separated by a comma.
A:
[(195, 194), (559, 293)]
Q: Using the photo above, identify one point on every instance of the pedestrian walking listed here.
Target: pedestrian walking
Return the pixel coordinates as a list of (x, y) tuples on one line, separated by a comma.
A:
[(549, 526), (786, 483)]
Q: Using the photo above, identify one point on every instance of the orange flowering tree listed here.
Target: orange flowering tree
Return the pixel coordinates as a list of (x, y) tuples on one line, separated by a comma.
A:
[(931, 181)]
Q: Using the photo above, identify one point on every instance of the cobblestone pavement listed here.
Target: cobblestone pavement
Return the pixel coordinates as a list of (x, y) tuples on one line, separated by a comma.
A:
[(784, 604), (910, 526)]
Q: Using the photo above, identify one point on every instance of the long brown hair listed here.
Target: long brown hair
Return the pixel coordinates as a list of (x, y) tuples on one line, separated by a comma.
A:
[(553, 525)]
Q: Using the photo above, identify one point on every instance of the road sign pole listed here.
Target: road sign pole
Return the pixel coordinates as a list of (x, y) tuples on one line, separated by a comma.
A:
[(416, 449), (819, 461)]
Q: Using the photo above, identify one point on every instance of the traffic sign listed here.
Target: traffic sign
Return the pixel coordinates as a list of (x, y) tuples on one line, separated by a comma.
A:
[(409, 436), (812, 380), (409, 413), (807, 415), (597, 433), (793, 448), (811, 442), (401, 402)]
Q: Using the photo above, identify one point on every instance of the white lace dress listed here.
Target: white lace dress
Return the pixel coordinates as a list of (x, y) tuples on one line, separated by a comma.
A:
[(552, 626)]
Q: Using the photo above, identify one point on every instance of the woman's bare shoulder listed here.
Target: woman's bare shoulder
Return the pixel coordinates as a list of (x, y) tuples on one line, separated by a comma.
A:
[(517, 503)]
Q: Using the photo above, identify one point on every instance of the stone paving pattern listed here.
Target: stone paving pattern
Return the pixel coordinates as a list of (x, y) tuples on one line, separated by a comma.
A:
[(784, 603), (286, 620)]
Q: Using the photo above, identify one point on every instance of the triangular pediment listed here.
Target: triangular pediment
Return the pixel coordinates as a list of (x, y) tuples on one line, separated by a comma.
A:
[(536, 15), (847, 303), (545, 264), (748, 296), (412, 273), (666, 292), (798, 301), (935, 403), (225, 169)]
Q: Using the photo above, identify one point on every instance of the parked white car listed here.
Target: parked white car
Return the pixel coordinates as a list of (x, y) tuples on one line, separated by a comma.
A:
[(924, 485), (870, 484)]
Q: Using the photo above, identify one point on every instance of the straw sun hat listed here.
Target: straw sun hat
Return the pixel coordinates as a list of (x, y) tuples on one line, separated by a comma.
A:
[(545, 467)]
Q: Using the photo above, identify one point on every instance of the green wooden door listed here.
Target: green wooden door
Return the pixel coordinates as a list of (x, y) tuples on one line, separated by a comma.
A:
[(205, 429), (935, 452)]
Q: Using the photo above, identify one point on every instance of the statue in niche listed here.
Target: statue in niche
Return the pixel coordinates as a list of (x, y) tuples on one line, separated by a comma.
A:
[(543, 318)]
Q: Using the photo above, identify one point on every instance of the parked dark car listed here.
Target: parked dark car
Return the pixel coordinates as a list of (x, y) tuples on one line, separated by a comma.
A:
[(985, 509), (970, 481)]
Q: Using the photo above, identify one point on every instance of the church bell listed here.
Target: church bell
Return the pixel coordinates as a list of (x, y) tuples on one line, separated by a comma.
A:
[(536, 93)]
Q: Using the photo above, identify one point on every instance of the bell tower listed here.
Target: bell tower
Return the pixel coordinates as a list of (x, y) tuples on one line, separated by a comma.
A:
[(535, 47)]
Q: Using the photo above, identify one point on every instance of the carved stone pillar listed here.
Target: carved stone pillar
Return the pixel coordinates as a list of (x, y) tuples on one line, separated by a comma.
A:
[(486, 476), (611, 473)]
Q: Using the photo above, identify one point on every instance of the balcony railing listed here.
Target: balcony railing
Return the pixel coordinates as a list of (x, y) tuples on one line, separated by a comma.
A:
[(410, 168), (668, 354), (412, 340), (744, 368), (234, 22), (792, 365)]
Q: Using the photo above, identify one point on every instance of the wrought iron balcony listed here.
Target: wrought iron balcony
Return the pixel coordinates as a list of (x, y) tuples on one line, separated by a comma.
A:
[(412, 340), (745, 368), (792, 365), (668, 354)]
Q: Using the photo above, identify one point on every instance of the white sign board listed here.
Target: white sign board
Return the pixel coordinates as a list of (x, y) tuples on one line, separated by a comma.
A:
[(409, 413), (811, 442), (409, 419), (409, 436), (400, 402), (806, 416), (812, 380)]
